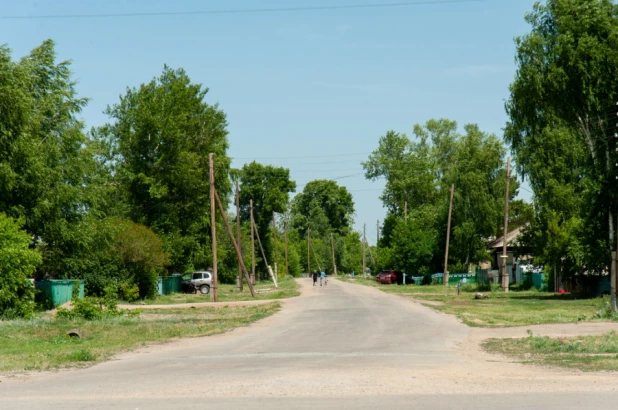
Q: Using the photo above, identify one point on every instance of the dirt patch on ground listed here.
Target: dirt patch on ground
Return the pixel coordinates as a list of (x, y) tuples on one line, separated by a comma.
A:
[(551, 330), (198, 305)]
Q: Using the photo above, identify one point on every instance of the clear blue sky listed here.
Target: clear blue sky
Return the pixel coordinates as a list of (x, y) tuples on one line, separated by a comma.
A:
[(313, 84)]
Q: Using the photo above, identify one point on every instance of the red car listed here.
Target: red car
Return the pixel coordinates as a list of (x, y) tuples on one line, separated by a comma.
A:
[(389, 276)]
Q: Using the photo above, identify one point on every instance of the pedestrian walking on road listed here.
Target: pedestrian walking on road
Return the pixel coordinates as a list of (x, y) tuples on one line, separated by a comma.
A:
[(315, 277), (322, 276)]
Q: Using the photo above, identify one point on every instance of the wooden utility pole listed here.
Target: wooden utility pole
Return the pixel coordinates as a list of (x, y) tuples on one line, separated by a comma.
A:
[(308, 255), (370, 253), (252, 243), (285, 247), (505, 276), (317, 262), (364, 241), (239, 279), (236, 246), (448, 238), (613, 275), (612, 279), (213, 228), (332, 247), (276, 247), (377, 232)]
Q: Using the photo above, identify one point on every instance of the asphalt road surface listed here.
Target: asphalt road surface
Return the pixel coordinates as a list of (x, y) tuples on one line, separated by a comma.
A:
[(335, 347)]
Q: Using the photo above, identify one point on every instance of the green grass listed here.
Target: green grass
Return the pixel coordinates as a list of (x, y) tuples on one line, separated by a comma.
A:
[(501, 309), (228, 293), (42, 343), (587, 353)]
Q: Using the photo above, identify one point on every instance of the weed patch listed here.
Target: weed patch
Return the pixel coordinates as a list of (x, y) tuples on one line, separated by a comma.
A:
[(588, 353)]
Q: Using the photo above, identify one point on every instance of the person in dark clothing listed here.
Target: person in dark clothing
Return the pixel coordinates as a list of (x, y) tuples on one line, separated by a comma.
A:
[(315, 277)]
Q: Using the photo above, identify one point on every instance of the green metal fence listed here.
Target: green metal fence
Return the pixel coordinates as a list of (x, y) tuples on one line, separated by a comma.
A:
[(56, 292), (454, 278), (481, 276), (169, 285)]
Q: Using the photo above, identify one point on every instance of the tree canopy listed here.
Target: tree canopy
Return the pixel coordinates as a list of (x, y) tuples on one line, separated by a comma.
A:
[(562, 116), (323, 206), (160, 138), (419, 172)]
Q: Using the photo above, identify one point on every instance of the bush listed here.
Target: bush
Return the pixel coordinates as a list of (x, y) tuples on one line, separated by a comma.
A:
[(110, 251), (129, 291), (17, 264), (96, 308)]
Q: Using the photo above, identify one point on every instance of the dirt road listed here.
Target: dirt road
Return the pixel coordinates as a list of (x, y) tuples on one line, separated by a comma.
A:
[(340, 346)]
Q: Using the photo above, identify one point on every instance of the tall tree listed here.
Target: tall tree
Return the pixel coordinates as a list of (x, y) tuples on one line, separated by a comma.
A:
[(161, 137), (269, 188), (420, 171), (323, 206), (562, 117), (46, 159)]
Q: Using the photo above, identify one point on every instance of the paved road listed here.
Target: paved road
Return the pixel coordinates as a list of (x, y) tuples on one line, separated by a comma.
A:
[(339, 346)]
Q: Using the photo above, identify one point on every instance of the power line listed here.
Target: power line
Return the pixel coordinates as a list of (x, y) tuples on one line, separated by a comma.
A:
[(236, 11), (307, 157)]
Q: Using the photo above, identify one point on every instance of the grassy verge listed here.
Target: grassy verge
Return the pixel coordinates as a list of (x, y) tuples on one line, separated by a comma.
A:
[(43, 344), (228, 293), (501, 309), (587, 353)]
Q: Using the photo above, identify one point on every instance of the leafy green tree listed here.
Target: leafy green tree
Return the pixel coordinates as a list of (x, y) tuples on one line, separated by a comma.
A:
[(112, 251), (160, 140), (420, 172), (479, 174), (323, 206), (269, 187), (17, 263), (562, 117), (46, 160)]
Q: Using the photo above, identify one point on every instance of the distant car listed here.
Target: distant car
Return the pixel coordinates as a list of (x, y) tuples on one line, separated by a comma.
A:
[(389, 277), (194, 281)]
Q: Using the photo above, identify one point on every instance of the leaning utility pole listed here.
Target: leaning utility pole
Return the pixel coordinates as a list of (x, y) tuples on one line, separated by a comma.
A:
[(505, 276), (448, 238), (252, 243), (276, 247), (270, 271), (364, 240), (213, 228), (332, 247), (285, 247), (239, 279), (308, 255), (234, 244)]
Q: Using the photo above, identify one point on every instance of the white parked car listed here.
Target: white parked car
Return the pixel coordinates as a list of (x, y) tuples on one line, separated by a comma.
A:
[(194, 281)]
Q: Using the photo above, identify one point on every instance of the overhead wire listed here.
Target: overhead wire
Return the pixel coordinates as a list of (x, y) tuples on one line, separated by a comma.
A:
[(237, 11)]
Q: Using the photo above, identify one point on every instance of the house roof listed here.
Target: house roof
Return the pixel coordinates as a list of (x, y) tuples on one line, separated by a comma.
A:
[(510, 238)]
